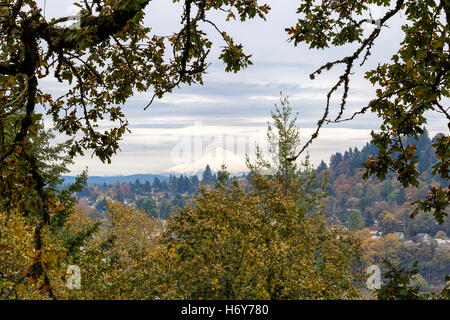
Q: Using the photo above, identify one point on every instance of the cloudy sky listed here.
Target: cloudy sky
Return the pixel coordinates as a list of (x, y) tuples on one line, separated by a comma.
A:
[(236, 107)]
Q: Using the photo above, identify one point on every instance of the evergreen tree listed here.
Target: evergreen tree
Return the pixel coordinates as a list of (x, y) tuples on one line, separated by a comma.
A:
[(356, 160), (173, 183), (195, 181), (101, 204), (425, 152), (355, 220), (120, 196), (207, 177), (164, 186), (164, 208), (149, 206), (189, 185), (179, 201), (335, 160), (401, 196), (147, 186), (156, 185), (322, 166), (386, 188), (284, 140), (181, 185)]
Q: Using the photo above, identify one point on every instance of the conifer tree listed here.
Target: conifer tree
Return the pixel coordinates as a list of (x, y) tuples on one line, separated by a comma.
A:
[(207, 177)]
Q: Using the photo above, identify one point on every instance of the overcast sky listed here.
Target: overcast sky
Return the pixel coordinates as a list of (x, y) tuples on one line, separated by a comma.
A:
[(238, 105)]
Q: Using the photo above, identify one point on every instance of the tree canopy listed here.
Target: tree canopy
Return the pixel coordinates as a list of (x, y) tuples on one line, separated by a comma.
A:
[(408, 88), (103, 59)]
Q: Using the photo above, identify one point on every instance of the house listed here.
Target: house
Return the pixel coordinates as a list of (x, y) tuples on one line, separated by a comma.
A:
[(443, 243), (401, 235), (375, 231), (423, 237)]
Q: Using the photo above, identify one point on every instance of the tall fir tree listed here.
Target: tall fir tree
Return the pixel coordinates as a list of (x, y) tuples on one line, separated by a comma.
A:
[(207, 177)]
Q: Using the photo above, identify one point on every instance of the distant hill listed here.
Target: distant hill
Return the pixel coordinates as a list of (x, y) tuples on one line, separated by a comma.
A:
[(99, 180), (374, 198)]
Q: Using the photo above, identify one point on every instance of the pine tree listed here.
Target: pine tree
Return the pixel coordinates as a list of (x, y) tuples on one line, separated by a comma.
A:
[(284, 140), (207, 177), (322, 166), (355, 220), (386, 188), (195, 181), (156, 185), (164, 208), (147, 186), (335, 160), (164, 186)]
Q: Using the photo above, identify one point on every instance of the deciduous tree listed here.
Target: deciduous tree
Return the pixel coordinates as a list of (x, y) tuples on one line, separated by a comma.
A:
[(410, 87), (103, 59)]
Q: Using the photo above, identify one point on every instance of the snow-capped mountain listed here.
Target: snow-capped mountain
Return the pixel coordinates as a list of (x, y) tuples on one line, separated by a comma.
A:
[(215, 159)]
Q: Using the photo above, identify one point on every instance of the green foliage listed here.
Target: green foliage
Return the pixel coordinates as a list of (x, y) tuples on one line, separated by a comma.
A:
[(284, 139), (414, 83), (228, 244), (403, 284), (207, 177), (268, 243), (373, 196), (105, 59), (397, 286), (149, 206), (33, 201), (355, 220)]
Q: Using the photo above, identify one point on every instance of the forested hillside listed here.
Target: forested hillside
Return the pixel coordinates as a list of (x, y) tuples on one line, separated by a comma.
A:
[(379, 211), (381, 200)]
